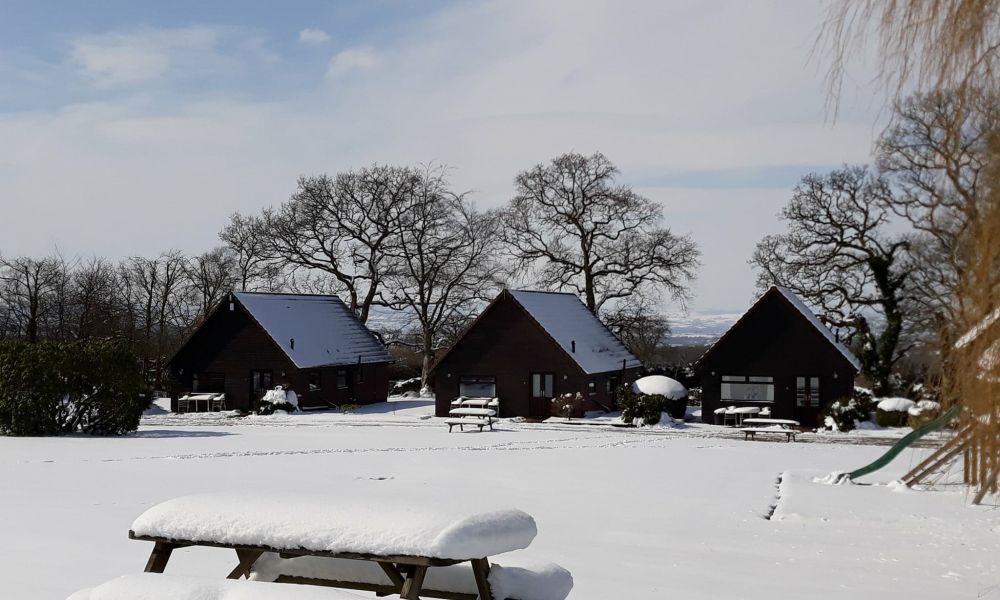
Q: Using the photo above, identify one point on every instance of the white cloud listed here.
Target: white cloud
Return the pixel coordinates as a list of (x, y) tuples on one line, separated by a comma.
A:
[(489, 88), (352, 59), (313, 36), (145, 54)]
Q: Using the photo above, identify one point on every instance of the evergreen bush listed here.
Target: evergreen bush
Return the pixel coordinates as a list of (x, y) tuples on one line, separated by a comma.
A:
[(53, 388)]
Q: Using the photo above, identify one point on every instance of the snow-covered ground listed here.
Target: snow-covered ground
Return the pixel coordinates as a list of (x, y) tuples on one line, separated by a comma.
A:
[(666, 512)]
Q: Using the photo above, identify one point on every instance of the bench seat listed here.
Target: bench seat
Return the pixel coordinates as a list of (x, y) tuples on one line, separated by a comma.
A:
[(157, 586), (480, 423), (516, 579), (750, 433)]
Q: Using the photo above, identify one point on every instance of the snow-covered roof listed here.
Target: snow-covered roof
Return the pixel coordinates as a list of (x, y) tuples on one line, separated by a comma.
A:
[(812, 318), (581, 334), (325, 331)]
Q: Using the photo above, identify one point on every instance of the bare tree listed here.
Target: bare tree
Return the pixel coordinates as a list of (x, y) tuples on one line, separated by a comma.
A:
[(32, 291), (94, 300), (935, 152), (345, 227), (838, 256), (444, 263), (640, 326), (582, 231), (211, 276), (256, 268)]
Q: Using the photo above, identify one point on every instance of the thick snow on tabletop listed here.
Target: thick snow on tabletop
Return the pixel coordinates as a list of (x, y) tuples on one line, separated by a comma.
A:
[(156, 586), (568, 321), (327, 524), (660, 385)]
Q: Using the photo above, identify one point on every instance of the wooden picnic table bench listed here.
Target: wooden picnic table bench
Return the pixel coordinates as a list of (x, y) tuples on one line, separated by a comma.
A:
[(477, 417), (784, 427), (404, 542)]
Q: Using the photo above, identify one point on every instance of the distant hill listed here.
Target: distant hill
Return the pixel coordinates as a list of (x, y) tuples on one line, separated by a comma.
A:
[(699, 328)]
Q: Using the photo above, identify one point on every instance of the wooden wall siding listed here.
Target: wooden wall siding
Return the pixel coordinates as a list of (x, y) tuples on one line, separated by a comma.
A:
[(776, 340), (231, 343), (507, 344)]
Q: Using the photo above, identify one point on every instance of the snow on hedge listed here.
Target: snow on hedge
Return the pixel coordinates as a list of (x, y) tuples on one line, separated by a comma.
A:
[(514, 578), (157, 586), (660, 385), (895, 404), (323, 523)]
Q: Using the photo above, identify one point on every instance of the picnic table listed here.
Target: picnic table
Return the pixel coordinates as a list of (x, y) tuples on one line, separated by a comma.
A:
[(477, 412), (786, 427), (739, 414), (402, 542), (213, 401)]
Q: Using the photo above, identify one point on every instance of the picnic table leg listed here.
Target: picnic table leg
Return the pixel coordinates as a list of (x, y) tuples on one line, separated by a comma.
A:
[(414, 581), (159, 556), (247, 559), (481, 570), (393, 574)]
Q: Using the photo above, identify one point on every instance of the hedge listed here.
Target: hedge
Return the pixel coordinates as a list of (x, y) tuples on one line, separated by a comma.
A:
[(51, 388)]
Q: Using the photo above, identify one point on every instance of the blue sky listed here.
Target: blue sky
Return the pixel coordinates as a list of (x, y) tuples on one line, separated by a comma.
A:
[(132, 127)]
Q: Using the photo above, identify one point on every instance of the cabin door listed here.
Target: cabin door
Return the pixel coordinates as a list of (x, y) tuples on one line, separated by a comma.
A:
[(542, 391), (807, 402), (261, 380)]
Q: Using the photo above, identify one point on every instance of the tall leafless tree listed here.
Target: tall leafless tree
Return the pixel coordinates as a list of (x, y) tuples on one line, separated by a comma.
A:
[(32, 291), (936, 153), (211, 276), (444, 262), (839, 257), (580, 230), (344, 226), (245, 237)]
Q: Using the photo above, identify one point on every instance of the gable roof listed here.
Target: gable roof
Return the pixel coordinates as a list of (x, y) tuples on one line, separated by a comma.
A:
[(795, 302), (325, 330), (567, 321)]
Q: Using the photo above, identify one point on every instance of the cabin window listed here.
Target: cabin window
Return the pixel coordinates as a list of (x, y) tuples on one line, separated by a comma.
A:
[(542, 385), (742, 388), (315, 381), (592, 387), (613, 382), (807, 391), (361, 374), (341, 379), (477, 387)]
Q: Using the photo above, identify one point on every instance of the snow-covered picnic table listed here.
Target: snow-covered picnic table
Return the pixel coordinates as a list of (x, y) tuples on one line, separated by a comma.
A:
[(403, 540), (466, 414), (740, 413), (784, 427)]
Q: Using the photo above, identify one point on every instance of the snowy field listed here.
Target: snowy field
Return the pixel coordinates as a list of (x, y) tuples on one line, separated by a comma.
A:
[(667, 513)]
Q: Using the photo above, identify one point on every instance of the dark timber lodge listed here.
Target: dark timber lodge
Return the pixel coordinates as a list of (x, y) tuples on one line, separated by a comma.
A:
[(311, 344), (527, 348), (780, 356)]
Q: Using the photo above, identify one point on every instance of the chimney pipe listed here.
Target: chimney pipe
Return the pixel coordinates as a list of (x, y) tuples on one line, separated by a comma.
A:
[(291, 342), (573, 345)]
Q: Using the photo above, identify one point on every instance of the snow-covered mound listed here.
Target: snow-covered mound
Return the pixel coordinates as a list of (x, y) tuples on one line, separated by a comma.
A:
[(660, 385), (896, 404), (157, 586), (322, 523)]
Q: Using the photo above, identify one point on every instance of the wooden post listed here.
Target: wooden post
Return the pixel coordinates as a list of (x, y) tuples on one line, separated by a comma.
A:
[(393, 574), (247, 559), (159, 556), (414, 581), (481, 570)]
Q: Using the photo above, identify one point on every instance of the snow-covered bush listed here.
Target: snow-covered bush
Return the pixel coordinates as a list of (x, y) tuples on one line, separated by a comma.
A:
[(846, 413), (923, 412), (278, 400), (50, 388), (640, 409), (893, 412), (401, 387), (568, 405)]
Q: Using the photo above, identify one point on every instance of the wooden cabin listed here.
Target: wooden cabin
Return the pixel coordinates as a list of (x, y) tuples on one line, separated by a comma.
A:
[(312, 344), (527, 348), (778, 355)]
